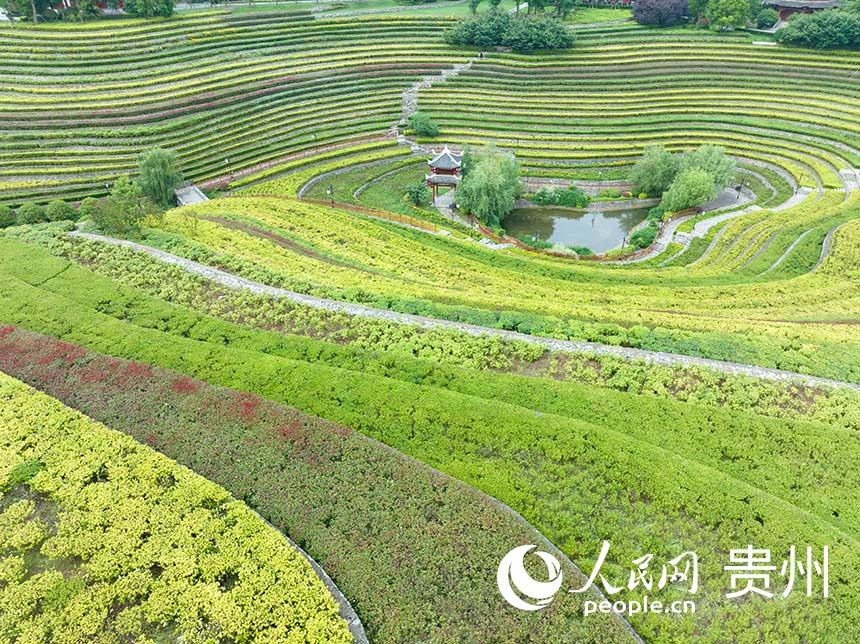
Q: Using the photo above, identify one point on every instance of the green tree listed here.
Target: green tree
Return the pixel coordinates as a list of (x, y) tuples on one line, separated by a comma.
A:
[(149, 8), (418, 193), (30, 213), (423, 125), (491, 188), (7, 217), (830, 29), (655, 171), (159, 175), (88, 207), (690, 188), (124, 210), (713, 160), (728, 14), (59, 210)]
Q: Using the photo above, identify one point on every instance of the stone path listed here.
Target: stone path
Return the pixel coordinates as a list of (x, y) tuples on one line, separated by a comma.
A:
[(825, 247), (409, 103), (786, 253), (667, 234), (701, 228), (568, 346)]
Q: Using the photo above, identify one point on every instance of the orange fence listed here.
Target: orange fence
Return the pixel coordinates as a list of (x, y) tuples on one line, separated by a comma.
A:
[(379, 214)]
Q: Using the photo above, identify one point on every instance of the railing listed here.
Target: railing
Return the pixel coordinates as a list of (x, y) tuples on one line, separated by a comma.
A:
[(378, 214)]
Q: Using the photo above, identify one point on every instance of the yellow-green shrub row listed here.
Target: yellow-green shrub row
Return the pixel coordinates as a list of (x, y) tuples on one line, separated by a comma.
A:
[(103, 539)]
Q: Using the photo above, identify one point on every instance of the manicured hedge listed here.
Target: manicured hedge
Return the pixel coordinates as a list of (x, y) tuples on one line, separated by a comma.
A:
[(575, 480), (102, 539), (376, 520)]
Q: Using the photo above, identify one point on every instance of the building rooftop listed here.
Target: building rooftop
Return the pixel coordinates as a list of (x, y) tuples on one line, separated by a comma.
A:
[(446, 160), (443, 179)]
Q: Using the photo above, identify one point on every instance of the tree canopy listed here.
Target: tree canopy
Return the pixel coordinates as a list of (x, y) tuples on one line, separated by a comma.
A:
[(491, 186), (829, 29), (654, 172), (691, 187), (659, 12), (500, 29), (159, 175)]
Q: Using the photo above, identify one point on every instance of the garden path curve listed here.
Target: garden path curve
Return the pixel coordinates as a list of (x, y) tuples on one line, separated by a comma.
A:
[(568, 346)]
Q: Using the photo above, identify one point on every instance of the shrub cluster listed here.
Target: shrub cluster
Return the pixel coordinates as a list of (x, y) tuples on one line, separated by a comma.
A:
[(500, 29), (570, 197), (659, 12), (132, 547), (829, 29)]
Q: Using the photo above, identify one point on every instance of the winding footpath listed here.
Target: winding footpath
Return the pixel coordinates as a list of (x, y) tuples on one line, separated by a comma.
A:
[(568, 346)]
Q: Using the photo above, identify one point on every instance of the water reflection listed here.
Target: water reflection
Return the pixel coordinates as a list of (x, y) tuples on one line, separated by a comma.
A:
[(599, 231)]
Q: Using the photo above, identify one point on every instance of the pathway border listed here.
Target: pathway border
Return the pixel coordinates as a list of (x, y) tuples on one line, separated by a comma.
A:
[(567, 346)]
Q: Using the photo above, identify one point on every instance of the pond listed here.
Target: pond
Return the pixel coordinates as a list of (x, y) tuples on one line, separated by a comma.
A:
[(599, 231)]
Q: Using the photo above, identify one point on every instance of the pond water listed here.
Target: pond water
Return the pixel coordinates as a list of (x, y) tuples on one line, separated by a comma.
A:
[(599, 231)]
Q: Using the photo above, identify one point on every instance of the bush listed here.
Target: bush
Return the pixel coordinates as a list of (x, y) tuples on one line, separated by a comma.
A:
[(766, 18), (149, 8), (88, 208), (830, 29), (570, 197), (659, 12), (581, 250), (7, 217), (419, 194), (123, 211), (656, 213), (533, 242), (30, 213), (645, 236), (59, 210), (496, 28), (423, 125)]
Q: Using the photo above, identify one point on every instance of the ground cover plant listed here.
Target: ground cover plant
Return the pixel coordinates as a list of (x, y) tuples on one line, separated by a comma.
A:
[(590, 460), (311, 130), (377, 521), (402, 269), (103, 539)]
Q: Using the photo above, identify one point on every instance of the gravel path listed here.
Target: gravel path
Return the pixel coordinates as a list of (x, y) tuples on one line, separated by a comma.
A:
[(726, 199), (825, 247), (786, 253), (568, 346)]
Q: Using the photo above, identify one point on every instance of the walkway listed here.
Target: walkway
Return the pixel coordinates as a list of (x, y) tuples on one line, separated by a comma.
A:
[(568, 346), (410, 95), (189, 195)]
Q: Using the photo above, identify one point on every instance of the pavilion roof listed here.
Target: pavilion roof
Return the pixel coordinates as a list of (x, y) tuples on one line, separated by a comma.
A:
[(443, 179), (446, 160)]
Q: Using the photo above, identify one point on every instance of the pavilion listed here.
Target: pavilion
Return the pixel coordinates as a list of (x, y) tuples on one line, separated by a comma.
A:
[(444, 171), (788, 7)]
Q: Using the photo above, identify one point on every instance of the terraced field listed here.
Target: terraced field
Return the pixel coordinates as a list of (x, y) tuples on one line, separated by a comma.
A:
[(624, 87), (227, 92), (330, 425)]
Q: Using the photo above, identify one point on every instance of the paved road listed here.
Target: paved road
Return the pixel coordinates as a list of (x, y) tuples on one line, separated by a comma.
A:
[(568, 346)]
